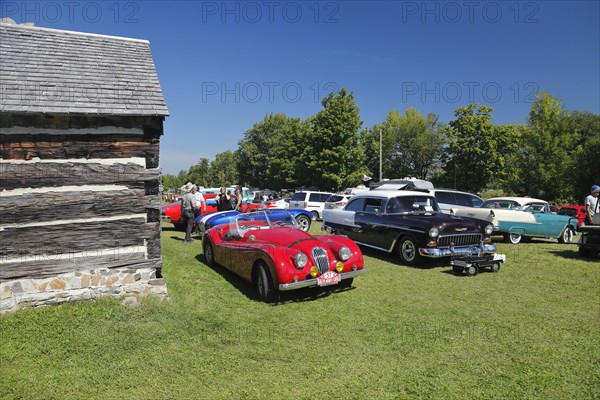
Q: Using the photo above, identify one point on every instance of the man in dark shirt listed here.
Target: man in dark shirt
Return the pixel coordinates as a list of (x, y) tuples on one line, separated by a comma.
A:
[(224, 201)]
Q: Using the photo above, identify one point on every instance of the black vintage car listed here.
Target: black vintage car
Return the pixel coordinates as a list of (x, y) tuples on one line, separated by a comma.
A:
[(411, 224)]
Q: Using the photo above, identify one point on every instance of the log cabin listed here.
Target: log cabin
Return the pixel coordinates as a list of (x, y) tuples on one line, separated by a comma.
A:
[(81, 116)]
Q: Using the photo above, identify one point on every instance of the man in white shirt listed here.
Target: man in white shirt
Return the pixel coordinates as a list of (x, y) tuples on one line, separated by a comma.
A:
[(200, 202), (591, 204)]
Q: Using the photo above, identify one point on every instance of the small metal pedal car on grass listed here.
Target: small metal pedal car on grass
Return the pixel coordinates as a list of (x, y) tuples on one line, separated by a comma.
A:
[(473, 264)]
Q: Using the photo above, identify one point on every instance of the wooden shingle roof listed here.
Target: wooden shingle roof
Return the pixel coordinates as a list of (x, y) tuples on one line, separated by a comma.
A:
[(55, 71)]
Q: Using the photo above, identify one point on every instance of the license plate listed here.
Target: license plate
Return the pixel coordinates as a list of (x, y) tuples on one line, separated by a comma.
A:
[(329, 278)]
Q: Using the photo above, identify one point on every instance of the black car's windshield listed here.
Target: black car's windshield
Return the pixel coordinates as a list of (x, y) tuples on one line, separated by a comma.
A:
[(412, 204)]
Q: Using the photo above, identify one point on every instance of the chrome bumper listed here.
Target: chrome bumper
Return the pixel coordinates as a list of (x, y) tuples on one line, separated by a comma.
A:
[(457, 251), (313, 282)]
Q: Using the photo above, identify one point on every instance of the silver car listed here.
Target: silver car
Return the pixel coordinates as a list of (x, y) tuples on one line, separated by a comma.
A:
[(336, 201)]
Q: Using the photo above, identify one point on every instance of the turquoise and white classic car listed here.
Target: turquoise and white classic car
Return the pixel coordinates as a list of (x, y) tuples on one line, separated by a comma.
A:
[(518, 217)]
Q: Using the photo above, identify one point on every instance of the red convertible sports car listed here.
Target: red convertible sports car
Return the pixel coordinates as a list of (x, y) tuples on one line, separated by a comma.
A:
[(277, 256)]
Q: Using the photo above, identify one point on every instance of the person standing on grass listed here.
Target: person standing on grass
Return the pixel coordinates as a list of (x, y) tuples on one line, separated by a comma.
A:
[(200, 203), (591, 205), (224, 201), (188, 205), (238, 199)]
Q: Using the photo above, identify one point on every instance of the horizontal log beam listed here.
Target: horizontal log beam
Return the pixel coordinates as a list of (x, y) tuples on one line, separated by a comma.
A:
[(49, 174), (52, 206), (75, 237), (149, 125), (62, 147)]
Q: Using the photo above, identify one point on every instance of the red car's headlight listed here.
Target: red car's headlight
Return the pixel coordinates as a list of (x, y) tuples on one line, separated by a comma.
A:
[(345, 253), (300, 260)]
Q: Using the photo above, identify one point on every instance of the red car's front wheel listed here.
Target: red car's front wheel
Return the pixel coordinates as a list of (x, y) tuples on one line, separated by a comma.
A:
[(208, 252), (264, 283)]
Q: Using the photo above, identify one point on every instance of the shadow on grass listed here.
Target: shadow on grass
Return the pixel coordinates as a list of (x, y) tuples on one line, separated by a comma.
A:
[(463, 275), (292, 296), (393, 258), (572, 255), (427, 263)]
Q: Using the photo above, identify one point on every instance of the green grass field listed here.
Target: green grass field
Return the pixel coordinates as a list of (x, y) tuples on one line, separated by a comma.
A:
[(530, 331)]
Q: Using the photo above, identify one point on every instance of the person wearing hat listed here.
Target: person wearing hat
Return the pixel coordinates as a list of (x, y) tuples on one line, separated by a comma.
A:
[(591, 205), (188, 205)]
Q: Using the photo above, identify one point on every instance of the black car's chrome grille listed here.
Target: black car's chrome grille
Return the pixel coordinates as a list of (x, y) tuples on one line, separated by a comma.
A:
[(321, 259), (459, 240)]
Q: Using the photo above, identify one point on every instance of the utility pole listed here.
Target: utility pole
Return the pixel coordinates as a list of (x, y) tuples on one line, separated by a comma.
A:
[(380, 157)]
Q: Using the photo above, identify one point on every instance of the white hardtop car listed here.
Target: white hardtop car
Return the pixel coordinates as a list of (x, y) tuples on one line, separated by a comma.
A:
[(514, 203), (509, 209), (310, 200)]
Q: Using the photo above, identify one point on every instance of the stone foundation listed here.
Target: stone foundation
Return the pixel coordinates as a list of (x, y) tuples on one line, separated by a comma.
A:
[(122, 283)]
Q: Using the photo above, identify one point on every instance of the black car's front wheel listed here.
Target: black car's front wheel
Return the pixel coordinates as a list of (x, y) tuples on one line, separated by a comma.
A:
[(264, 283), (408, 251)]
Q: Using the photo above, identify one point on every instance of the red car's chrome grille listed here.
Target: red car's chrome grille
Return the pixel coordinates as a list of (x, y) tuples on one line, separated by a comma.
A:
[(459, 240), (321, 259)]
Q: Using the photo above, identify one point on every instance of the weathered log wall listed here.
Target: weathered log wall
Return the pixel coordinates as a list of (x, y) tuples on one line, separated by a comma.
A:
[(78, 192), (52, 206), (60, 147), (48, 174)]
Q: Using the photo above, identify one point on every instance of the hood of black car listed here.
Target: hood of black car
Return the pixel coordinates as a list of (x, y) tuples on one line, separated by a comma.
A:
[(447, 224)]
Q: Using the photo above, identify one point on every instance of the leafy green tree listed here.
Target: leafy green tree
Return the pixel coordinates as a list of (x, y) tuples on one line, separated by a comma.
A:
[(182, 176), (411, 144), (269, 151), (199, 174), (285, 169), (171, 182), (223, 170), (333, 157), (547, 150), (478, 152), (369, 139), (586, 155)]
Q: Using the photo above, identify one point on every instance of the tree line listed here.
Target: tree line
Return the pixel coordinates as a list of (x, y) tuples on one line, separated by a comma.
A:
[(554, 155)]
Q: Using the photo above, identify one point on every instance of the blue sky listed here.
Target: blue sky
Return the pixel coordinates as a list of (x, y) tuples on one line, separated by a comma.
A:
[(224, 65)]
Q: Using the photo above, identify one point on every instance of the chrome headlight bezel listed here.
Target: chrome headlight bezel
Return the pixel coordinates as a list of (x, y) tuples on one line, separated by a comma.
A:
[(300, 260), (434, 232), (489, 229), (345, 253)]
